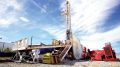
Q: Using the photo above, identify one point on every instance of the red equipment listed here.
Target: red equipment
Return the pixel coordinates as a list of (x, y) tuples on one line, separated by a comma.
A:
[(110, 54), (97, 55), (85, 54), (107, 54)]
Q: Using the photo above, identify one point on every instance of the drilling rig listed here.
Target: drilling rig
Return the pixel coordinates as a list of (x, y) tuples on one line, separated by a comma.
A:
[(71, 47), (76, 47)]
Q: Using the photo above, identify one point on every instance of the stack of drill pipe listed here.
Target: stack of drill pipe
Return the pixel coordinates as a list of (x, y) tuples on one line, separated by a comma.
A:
[(55, 58)]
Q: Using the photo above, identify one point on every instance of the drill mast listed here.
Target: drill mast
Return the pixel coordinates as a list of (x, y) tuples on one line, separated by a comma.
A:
[(68, 20)]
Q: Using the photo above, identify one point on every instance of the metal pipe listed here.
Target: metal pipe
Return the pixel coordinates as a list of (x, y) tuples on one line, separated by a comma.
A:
[(31, 40)]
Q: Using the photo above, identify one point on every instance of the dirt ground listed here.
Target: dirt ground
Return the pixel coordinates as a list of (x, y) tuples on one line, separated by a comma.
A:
[(64, 64)]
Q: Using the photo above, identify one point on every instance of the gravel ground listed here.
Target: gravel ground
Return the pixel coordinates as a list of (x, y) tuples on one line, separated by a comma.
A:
[(64, 64)]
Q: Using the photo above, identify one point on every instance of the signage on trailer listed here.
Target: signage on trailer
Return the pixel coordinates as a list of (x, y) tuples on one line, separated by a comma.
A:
[(20, 44)]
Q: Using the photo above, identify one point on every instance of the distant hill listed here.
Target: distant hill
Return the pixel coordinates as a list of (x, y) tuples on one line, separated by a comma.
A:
[(6, 45)]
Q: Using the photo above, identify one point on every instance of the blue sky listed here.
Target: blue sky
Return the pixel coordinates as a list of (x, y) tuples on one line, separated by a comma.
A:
[(94, 22)]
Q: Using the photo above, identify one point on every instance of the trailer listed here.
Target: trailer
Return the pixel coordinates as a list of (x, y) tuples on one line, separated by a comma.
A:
[(27, 53)]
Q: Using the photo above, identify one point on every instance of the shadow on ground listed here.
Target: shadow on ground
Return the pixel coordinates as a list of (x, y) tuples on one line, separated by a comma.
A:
[(71, 62), (6, 60)]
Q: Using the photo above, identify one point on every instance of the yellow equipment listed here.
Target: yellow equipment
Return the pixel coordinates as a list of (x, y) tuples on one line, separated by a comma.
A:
[(50, 58), (47, 58)]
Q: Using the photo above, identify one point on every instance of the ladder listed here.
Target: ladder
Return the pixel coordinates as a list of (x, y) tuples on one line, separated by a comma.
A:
[(64, 52)]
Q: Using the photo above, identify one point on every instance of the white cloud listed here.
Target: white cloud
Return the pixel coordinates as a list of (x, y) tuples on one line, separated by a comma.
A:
[(43, 9), (57, 32), (97, 40), (24, 19), (8, 12), (6, 22), (87, 15)]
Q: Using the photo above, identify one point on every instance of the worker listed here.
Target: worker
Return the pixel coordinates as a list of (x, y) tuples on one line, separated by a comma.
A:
[(21, 57), (35, 55)]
